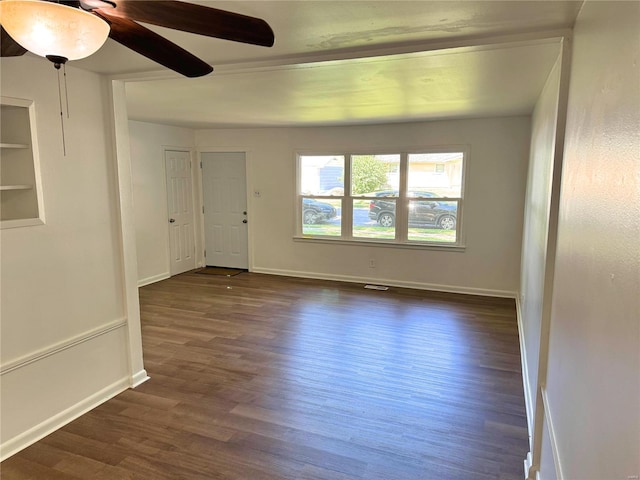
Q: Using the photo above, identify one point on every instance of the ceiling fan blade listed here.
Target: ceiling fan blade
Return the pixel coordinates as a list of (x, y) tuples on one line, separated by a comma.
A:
[(153, 46), (8, 46), (93, 4), (192, 18), (87, 5)]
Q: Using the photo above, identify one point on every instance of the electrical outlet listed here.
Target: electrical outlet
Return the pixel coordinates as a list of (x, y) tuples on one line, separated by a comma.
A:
[(372, 263)]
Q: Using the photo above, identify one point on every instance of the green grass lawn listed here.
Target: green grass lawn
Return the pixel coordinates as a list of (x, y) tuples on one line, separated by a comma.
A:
[(386, 233)]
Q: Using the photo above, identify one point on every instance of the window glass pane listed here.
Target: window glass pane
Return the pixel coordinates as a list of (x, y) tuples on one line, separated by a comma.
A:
[(322, 175), (375, 175), (374, 218), (439, 174), (321, 217), (431, 221)]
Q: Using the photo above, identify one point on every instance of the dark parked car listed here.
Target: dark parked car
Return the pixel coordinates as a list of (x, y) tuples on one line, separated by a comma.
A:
[(423, 212), (314, 211)]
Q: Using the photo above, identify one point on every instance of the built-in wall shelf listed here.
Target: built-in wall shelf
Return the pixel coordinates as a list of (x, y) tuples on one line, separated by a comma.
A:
[(6, 188), (20, 186), (14, 145)]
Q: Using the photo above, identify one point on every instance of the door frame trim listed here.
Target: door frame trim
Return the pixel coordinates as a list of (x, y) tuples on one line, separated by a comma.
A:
[(127, 238), (248, 171)]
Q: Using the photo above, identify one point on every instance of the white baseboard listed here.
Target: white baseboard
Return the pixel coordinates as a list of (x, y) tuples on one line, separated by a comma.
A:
[(528, 398), (391, 283), (139, 378), (14, 445), (528, 463), (156, 278)]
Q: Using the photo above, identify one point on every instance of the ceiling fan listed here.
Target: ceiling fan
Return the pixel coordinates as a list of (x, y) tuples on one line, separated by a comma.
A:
[(121, 17)]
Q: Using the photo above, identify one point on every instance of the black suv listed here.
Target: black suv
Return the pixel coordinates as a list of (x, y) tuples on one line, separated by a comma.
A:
[(422, 213), (314, 211)]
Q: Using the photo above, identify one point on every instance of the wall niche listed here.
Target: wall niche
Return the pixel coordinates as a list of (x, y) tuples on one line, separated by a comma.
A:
[(20, 185)]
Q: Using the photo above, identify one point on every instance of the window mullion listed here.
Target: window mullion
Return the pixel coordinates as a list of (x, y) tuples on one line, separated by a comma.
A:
[(402, 202), (458, 220), (347, 200), (299, 208)]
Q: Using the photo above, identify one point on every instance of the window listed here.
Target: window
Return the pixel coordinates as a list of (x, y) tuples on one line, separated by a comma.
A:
[(412, 198)]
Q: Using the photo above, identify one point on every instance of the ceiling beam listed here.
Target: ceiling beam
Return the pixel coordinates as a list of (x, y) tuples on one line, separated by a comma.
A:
[(464, 43)]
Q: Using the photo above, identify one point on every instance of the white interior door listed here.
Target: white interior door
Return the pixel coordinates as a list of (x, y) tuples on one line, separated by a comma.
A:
[(180, 209), (224, 193)]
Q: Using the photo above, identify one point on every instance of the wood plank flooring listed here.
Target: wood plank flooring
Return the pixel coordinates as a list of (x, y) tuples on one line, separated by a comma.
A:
[(263, 377)]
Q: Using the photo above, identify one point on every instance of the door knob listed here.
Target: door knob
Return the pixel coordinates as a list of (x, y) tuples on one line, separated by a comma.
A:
[(172, 220), (244, 221)]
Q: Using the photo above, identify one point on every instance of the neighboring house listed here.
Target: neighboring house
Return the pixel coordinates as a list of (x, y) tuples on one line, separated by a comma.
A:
[(325, 175), (556, 239)]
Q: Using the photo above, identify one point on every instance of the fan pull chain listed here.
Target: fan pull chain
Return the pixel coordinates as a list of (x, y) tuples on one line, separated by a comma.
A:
[(66, 92), (64, 146)]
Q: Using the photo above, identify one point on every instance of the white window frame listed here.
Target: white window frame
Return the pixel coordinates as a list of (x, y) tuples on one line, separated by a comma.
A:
[(402, 203)]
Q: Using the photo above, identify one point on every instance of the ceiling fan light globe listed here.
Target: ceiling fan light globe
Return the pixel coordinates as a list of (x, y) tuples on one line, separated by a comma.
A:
[(46, 28)]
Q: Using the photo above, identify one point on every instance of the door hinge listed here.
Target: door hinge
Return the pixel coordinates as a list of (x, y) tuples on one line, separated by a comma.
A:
[(205, 253), (200, 164), (203, 209)]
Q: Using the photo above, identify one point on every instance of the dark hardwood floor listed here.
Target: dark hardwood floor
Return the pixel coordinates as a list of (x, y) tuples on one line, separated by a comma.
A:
[(264, 377)]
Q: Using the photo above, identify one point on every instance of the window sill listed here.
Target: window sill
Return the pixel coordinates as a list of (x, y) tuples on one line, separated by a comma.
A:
[(21, 222), (378, 243)]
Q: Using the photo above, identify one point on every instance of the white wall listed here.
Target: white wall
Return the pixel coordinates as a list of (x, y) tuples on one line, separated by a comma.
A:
[(537, 215), (593, 379), (148, 143), (493, 205), (63, 323)]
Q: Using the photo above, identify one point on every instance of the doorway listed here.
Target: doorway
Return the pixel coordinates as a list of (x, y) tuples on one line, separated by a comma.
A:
[(224, 191)]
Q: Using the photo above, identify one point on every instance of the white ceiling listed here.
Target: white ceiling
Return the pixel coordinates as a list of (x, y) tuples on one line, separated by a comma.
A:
[(353, 62)]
